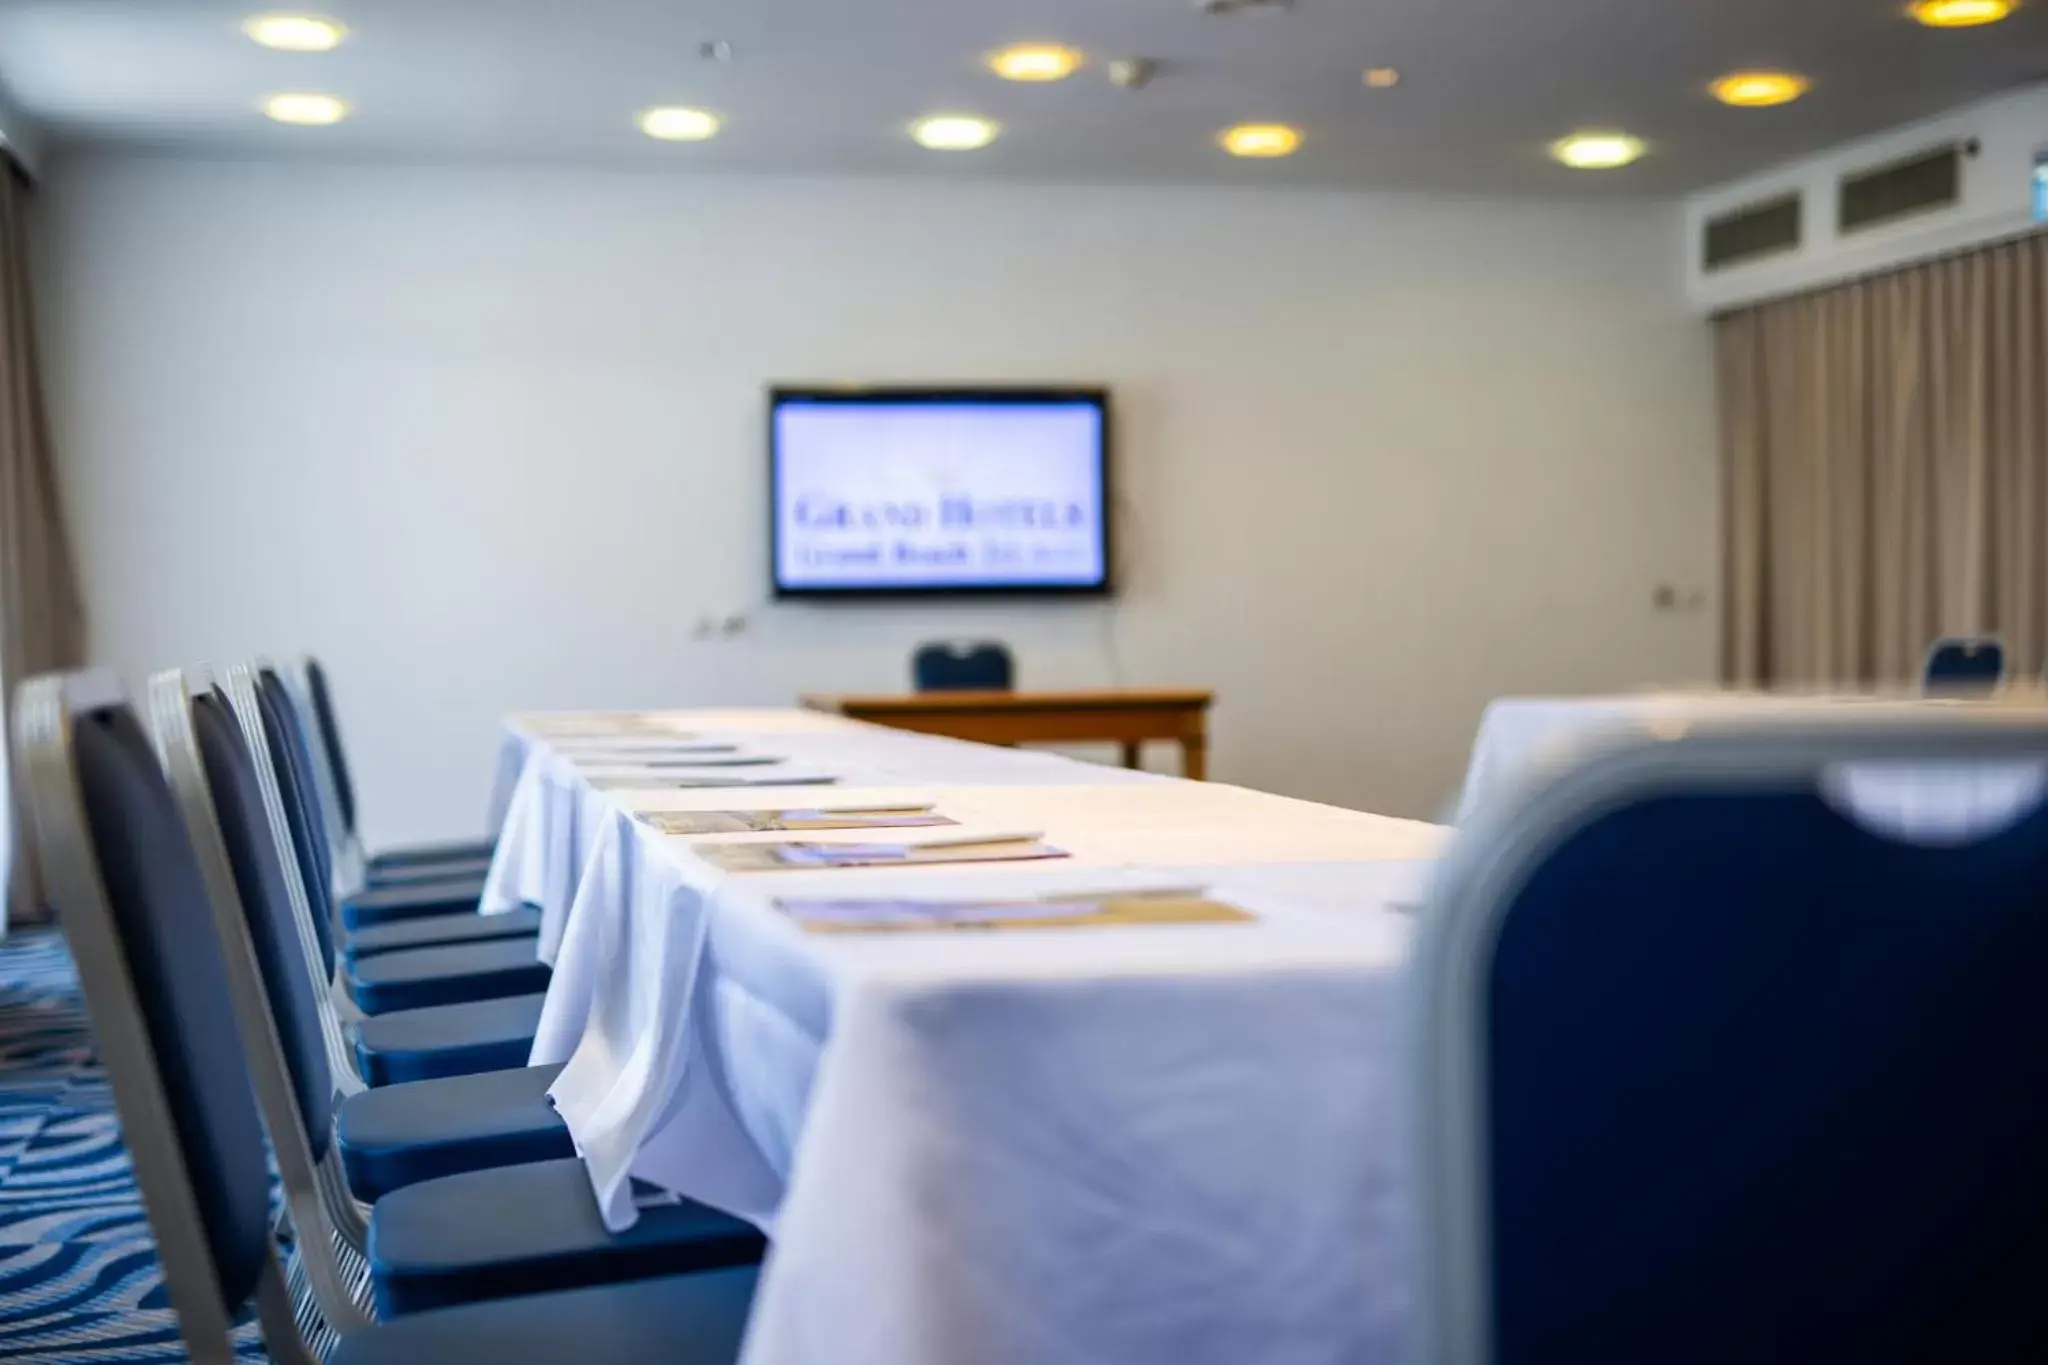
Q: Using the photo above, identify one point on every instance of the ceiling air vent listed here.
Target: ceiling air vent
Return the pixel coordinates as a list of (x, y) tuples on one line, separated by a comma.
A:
[(1931, 180), (1747, 233)]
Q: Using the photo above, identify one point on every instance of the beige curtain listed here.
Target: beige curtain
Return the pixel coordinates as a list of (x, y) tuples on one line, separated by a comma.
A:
[(41, 624), (1885, 457)]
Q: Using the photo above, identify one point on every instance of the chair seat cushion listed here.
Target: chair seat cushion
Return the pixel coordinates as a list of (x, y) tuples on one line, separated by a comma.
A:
[(409, 874), (528, 1229), (439, 930), (676, 1320), (411, 900), (402, 1134), (447, 1040), (419, 977), (453, 851)]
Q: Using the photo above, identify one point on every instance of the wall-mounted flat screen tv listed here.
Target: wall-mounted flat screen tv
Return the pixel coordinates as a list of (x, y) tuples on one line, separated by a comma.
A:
[(938, 490)]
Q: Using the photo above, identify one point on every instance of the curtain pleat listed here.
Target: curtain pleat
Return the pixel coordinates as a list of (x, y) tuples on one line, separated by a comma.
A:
[(1883, 483), (42, 624)]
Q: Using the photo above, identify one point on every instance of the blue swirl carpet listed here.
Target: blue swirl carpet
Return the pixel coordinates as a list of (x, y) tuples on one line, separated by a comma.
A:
[(79, 1278)]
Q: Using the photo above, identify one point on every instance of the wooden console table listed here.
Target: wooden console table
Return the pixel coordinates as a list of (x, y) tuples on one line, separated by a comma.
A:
[(1129, 716)]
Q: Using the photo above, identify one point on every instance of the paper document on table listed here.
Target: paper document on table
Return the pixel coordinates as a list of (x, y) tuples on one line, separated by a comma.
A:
[(709, 781), (599, 749), (784, 821), (813, 857), (1081, 910), (602, 724), (687, 761)]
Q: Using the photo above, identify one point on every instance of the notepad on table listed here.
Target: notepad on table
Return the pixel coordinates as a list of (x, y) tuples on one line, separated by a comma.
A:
[(597, 749), (603, 725), (1067, 911), (687, 761), (779, 821), (670, 781), (800, 856)]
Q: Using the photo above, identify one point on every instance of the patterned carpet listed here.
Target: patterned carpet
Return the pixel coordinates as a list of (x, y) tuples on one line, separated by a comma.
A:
[(79, 1279)]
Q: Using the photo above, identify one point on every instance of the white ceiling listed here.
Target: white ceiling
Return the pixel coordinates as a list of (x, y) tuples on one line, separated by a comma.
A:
[(828, 85)]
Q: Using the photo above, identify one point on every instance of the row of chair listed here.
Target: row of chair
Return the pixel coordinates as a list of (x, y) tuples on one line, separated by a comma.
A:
[(435, 1208)]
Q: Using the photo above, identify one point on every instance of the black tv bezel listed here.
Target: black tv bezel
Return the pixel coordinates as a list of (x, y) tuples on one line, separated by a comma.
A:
[(1022, 395)]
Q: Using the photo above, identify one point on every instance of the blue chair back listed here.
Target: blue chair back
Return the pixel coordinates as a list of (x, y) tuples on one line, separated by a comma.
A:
[(948, 667), (1962, 665), (273, 925), (293, 764), (329, 724), (1716, 1068), (127, 886)]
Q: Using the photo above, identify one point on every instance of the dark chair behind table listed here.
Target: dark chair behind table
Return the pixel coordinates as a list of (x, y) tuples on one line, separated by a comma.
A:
[(126, 883), (946, 666), (1732, 1051), (1964, 666)]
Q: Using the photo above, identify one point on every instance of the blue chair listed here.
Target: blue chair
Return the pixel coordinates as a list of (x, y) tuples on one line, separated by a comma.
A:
[(1730, 1051), (425, 947), (426, 1043), (476, 1188), (949, 667), (389, 865), (505, 1231), (166, 1001), (1964, 666), (389, 1137), (411, 1130)]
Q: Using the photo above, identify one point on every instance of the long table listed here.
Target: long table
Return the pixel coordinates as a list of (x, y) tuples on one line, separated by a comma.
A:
[(1082, 1145)]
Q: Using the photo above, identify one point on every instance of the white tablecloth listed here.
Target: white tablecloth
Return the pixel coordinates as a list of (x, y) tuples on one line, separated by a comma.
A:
[(1090, 1145)]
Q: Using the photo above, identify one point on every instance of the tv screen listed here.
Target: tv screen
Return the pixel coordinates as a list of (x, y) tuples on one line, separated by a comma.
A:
[(899, 491)]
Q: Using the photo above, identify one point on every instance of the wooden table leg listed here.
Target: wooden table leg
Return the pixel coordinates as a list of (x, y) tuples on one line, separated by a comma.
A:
[(1133, 749), (1194, 758)]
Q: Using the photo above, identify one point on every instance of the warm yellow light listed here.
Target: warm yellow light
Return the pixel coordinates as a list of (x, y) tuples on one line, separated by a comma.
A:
[(1597, 151), (1260, 139), (295, 32), (1382, 77), (953, 132), (675, 124), (1962, 13), (1034, 62), (312, 111), (1759, 89)]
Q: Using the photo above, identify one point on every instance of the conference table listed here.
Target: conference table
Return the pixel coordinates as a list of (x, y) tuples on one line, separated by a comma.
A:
[(1008, 1142)]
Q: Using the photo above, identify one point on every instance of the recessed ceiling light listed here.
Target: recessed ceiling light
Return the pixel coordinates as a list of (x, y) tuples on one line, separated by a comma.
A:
[(312, 111), (953, 132), (295, 32), (1962, 13), (1034, 62), (1382, 77), (1597, 151), (1759, 89), (672, 123), (1260, 139)]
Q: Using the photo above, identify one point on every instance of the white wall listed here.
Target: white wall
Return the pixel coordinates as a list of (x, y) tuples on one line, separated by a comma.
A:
[(492, 438)]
